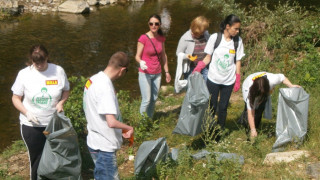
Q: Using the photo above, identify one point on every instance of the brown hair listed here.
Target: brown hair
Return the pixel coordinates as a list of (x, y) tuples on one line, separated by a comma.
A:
[(119, 59), (159, 19), (199, 25), (260, 88), (38, 54)]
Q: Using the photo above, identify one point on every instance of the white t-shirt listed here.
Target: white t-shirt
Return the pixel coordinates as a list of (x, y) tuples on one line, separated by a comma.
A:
[(222, 69), (99, 99), (274, 79), (41, 90)]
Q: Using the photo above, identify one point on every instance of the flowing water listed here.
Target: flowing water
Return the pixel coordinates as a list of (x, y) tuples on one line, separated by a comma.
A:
[(82, 44)]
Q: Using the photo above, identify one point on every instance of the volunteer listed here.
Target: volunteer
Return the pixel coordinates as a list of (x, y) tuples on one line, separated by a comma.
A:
[(150, 53), (39, 90)]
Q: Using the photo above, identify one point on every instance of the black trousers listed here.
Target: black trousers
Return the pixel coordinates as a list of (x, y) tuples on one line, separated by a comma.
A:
[(34, 140), (225, 93), (257, 116)]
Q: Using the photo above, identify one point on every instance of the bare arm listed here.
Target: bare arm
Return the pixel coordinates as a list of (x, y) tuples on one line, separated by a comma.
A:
[(140, 47), (114, 123), (164, 59), (17, 102), (289, 84), (207, 59), (238, 67), (64, 97), (253, 131)]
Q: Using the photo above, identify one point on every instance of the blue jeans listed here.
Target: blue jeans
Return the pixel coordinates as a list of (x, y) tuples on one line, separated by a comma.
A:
[(225, 93), (105, 165), (204, 73), (149, 87)]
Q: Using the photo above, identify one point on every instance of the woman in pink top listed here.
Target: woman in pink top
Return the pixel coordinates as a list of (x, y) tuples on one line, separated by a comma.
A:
[(150, 53)]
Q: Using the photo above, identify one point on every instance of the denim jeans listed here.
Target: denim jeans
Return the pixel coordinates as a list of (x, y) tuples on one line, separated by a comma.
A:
[(204, 73), (149, 87), (225, 93), (105, 165)]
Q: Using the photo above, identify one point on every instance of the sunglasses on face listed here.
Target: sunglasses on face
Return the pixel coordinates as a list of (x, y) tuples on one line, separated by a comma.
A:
[(154, 24)]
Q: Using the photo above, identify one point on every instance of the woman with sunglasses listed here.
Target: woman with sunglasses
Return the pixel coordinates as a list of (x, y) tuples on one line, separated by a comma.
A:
[(224, 69), (256, 89), (150, 54)]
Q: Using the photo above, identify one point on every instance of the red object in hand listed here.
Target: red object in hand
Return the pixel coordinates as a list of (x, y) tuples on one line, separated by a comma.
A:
[(131, 139), (199, 67), (237, 84)]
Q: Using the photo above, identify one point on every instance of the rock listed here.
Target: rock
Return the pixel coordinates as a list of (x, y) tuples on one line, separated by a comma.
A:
[(313, 170), (104, 2), (92, 2), (278, 157), (74, 6)]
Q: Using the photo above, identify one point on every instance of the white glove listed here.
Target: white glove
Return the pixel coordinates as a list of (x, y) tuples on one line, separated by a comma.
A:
[(32, 118), (143, 65)]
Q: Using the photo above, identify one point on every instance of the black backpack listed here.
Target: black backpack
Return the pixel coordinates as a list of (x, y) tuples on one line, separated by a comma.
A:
[(235, 40)]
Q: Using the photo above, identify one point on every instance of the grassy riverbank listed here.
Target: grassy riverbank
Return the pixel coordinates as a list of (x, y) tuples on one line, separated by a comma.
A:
[(282, 40)]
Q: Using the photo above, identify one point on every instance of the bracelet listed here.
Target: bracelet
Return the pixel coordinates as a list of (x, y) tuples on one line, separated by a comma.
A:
[(168, 72)]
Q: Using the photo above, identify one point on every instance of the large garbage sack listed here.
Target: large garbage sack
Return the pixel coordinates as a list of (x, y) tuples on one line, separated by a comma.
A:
[(61, 157), (292, 117), (149, 153), (194, 106)]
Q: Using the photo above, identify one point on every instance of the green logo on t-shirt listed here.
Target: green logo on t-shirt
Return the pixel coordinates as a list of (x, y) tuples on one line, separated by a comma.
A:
[(223, 64), (42, 100)]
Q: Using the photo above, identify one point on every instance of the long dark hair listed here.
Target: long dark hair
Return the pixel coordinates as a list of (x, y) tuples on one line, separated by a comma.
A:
[(230, 20), (159, 18), (38, 54), (260, 88)]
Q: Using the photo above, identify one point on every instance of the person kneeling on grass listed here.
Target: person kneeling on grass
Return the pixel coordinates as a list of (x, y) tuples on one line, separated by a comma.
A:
[(256, 89), (102, 112)]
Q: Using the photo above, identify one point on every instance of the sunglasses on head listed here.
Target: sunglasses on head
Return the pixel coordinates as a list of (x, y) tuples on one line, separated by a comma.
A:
[(156, 24)]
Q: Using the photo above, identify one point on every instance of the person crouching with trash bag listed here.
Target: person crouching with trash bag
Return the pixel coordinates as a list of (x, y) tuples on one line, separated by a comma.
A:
[(103, 115), (256, 90)]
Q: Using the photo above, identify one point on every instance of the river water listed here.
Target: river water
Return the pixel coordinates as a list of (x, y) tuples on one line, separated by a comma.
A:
[(82, 44)]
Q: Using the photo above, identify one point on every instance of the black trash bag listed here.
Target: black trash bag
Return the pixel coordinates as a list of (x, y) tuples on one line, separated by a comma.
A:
[(292, 117), (149, 154), (194, 106), (61, 157)]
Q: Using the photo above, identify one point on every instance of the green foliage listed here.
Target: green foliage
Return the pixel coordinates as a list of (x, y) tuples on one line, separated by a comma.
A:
[(73, 107), (4, 14), (143, 125), (16, 147), (225, 8)]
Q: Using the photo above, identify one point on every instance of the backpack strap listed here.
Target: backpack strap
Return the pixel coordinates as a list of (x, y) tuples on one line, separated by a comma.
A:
[(236, 44), (218, 40)]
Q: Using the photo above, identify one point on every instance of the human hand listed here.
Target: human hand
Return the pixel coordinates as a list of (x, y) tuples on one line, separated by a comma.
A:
[(295, 86), (237, 84), (143, 65), (199, 67), (168, 77), (59, 107), (128, 134), (32, 118), (253, 133)]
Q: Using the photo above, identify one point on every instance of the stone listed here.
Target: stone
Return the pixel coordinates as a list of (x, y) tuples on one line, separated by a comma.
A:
[(77, 7), (313, 170), (92, 2), (104, 2), (286, 157)]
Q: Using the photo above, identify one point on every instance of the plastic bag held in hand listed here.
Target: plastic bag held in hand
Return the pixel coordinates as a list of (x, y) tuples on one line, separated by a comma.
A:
[(143, 65), (32, 118), (237, 84), (199, 67)]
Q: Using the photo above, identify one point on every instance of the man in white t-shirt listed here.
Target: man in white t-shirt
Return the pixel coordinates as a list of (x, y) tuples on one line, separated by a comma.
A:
[(102, 112)]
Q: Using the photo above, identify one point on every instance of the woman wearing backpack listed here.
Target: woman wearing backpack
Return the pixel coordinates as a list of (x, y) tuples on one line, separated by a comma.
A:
[(224, 69)]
